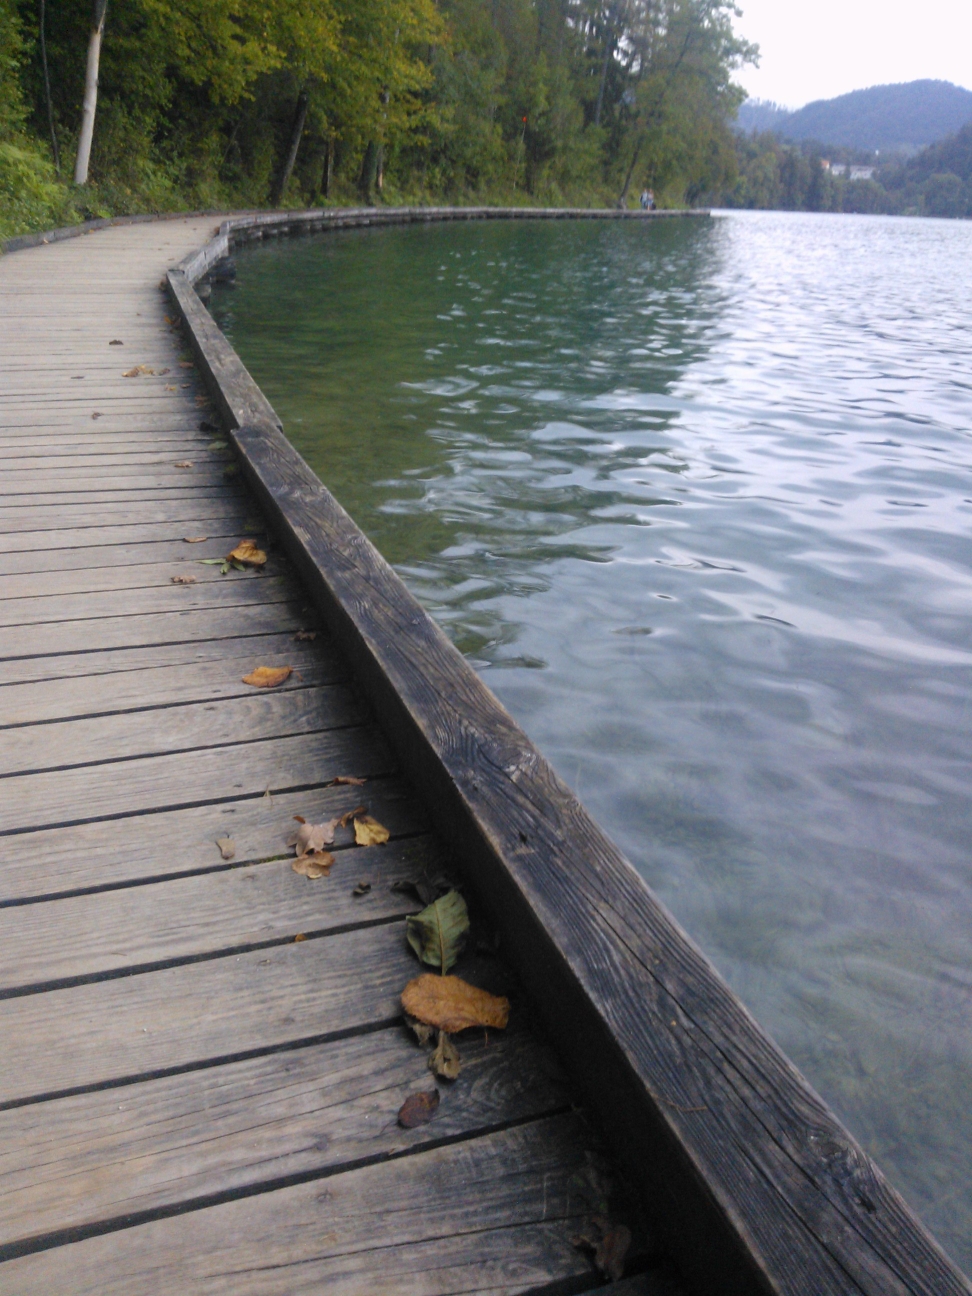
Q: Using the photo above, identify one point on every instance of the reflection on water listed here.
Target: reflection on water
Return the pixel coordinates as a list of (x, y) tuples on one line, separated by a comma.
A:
[(695, 500)]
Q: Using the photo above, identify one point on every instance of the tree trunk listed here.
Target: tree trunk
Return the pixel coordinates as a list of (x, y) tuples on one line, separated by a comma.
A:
[(369, 174), (90, 93), (622, 201), (608, 48), (297, 130), (327, 171), (47, 86)]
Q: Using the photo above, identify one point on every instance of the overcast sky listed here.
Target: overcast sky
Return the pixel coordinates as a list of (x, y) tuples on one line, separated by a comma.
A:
[(815, 49)]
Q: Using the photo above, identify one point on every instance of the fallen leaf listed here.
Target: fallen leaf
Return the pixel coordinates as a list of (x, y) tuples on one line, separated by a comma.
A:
[(183, 463), (299, 937), (305, 635), (186, 364), (314, 837), (97, 413), (163, 372), (423, 1033), (206, 426), (369, 832), (183, 386), (352, 814), (247, 553), (313, 866), (350, 780), (195, 540), (183, 580), (445, 1060), (170, 387), (453, 1005), (610, 1244), (421, 888), (138, 371), (268, 676), (361, 889), (438, 933), (418, 1109), (227, 847), (116, 342)]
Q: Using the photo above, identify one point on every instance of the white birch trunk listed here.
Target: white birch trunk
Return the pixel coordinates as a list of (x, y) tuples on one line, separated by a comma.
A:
[(90, 94)]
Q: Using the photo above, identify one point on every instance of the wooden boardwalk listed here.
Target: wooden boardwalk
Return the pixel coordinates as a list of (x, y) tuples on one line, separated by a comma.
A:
[(202, 1061)]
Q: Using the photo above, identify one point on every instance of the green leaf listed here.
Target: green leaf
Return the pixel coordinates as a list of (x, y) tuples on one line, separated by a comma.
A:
[(210, 562), (438, 933)]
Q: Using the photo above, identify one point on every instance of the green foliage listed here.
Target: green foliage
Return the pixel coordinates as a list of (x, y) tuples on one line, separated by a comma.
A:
[(30, 197), (552, 101)]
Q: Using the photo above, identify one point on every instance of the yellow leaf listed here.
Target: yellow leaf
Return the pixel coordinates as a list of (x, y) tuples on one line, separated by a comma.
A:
[(268, 676), (451, 1004), (369, 832), (246, 552)]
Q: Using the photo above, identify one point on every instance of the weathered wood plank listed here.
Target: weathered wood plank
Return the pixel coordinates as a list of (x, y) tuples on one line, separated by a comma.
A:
[(487, 1215), (91, 580), (31, 801), (170, 843), (121, 1152), (182, 918), (188, 726), (89, 479), (196, 1012), (205, 506), (156, 628), (93, 557), (113, 692), (194, 522)]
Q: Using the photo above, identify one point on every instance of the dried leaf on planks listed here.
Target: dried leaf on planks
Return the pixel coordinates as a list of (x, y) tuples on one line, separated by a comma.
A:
[(303, 636), (116, 342), (448, 1003), (418, 1109), (184, 463), (312, 837), (438, 934), (268, 676), (369, 832), (247, 553), (445, 1060), (138, 370), (183, 580), (194, 539), (227, 847), (313, 866), (610, 1244), (361, 889), (352, 814), (349, 780)]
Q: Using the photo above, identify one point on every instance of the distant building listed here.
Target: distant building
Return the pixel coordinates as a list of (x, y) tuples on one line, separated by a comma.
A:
[(850, 170)]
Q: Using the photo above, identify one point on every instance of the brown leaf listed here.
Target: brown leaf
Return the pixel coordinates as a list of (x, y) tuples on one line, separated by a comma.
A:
[(350, 780), (453, 1005), (163, 372), (96, 414), (184, 463), (361, 889), (116, 342), (268, 676), (171, 387), (352, 814), (247, 553), (369, 832), (138, 370), (183, 580), (610, 1252), (418, 1109), (186, 364), (227, 847), (423, 1033), (311, 838), (305, 635), (299, 937), (313, 866), (195, 539), (445, 1060)]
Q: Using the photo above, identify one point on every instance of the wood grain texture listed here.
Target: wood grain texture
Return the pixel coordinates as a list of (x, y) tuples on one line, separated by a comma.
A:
[(89, 580), (184, 918), (78, 514), (493, 1214), (129, 690), (93, 1034), (754, 1169), (133, 787), (183, 727), (200, 1133), (93, 558)]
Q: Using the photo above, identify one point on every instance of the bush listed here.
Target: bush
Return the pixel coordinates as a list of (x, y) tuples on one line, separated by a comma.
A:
[(30, 196)]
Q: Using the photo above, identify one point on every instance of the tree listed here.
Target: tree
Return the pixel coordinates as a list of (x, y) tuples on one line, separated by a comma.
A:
[(90, 104)]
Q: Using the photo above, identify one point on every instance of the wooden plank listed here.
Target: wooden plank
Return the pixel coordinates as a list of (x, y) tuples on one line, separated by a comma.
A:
[(753, 1176), (184, 727), (85, 479), (117, 461), (85, 580), (193, 681), (74, 611), (194, 522), (31, 801), (487, 1215), (75, 514), (21, 504), (123, 1152), (218, 1008), (275, 637), (158, 628), (171, 843), (94, 557), (108, 932)]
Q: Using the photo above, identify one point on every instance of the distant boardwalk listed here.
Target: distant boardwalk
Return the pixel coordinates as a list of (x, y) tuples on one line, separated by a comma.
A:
[(154, 1102)]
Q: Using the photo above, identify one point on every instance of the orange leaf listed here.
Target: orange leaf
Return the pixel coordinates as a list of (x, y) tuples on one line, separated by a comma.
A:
[(313, 866), (268, 676), (451, 1004), (247, 553)]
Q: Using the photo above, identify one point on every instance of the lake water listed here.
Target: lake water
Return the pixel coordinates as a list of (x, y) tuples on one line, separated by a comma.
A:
[(695, 499)]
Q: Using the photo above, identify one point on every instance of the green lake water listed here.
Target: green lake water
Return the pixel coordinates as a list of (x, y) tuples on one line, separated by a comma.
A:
[(695, 499)]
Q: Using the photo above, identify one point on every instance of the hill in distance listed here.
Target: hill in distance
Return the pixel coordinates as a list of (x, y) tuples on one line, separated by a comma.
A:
[(892, 118)]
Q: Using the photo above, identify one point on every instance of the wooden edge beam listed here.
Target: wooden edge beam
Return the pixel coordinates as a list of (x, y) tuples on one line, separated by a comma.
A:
[(752, 1180)]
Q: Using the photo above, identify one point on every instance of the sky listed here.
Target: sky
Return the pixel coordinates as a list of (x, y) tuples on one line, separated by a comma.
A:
[(822, 48)]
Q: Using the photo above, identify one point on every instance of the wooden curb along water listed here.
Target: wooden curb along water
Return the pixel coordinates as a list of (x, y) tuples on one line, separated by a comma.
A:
[(756, 1184)]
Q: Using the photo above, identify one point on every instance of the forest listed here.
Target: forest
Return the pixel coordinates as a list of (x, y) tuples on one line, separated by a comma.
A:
[(120, 106)]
